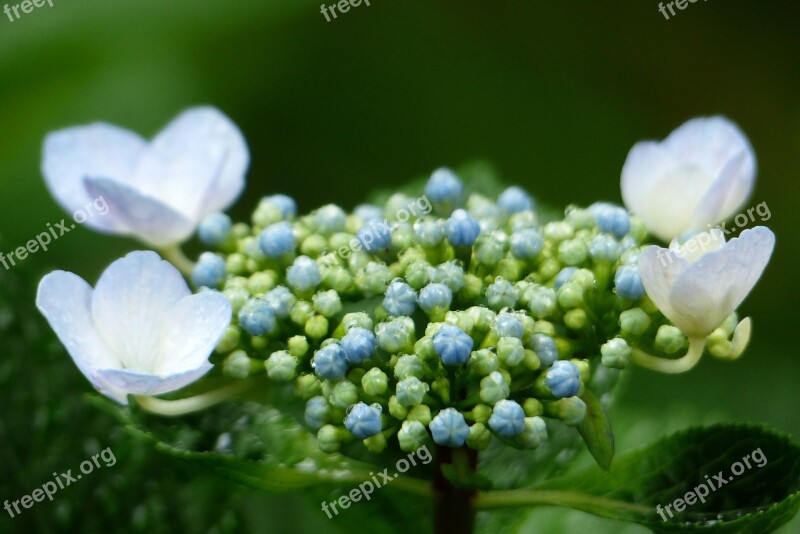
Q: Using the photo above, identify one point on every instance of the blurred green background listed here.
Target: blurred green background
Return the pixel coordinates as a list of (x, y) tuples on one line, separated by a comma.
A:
[(553, 95)]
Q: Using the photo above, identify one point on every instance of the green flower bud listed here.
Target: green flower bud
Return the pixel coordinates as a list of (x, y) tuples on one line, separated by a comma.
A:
[(473, 287), (670, 339), (418, 274), (549, 268), (375, 444), (490, 248), (261, 282), (237, 296), (634, 322), (421, 413), (266, 213), (396, 335), (481, 413), (360, 319), (237, 365), (397, 410), (578, 218), (493, 388), (258, 342), (510, 351), (329, 438), (522, 219), (558, 231), (412, 435), (532, 407), (638, 229), (298, 346), (344, 394), (307, 386), (316, 327), (571, 411), (533, 434), (236, 264), (573, 252), (240, 231), (509, 268), (411, 391), (482, 362), (545, 327), (327, 303), (338, 279), (230, 339), (424, 348), (281, 366), (373, 279), (576, 319), (375, 382), (730, 324), (482, 318), (302, 312), (313, 245), (541, 301), (403, 236), (459, 319), (407, 366), (584, 369), (616, 353), (341, 239), (718, 344), (570, 295), (531, 360), (441, 387), (479, 437)]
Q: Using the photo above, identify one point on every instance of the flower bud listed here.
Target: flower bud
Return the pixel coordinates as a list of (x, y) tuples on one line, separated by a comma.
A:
[(450, 274), (533, 434), (532, 407), (421, 413), (493, 388), (449, 428), (317, 412), (508, 418), (571, 411), (237, 365), (634, 322), (327, 303), (452, 345), (526, 244), (435, 299), (628, 283), (616, 353), (572, 252), (479, 437), (329, 439), (545, 348), (462, 229), (611, 219), (329, 362), (281, 366), (418, 274), (576, 319), (411, 391), (482, 362), (256, 317), (407, 366), (570, 295), (306, 386), (358, 345), (298, 346), (301, 312), (396, 335), (229, 340), (501, 294), (400, 298), (412, 435), (510, 351), (561, 380), (397, 410), (541, 301), (209, 270), (670, 339), (344, 394), (473, 287), (363, 421), (490, 248), (373, 279)]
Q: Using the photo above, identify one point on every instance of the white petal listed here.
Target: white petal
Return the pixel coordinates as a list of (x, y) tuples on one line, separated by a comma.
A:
[(196, 165), (195, 326), (710, 143), (699, 245), (725, 196), (646, 163), (146, 218), (64, 299), (137, 383), (131, 304), (659, 268), (713, 287), (95, 151)]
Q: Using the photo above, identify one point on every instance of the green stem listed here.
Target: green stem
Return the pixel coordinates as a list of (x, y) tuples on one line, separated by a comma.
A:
[(664, 365), (174, 408), (578, 501), (176, 257)]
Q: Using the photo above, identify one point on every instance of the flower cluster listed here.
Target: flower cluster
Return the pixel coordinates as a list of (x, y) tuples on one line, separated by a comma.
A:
[(469, 319)]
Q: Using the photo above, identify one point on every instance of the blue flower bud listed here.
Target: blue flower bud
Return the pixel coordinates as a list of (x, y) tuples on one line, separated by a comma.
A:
[(358, 345), (514, 199), (452, 345), (214, 229), (209, 271), (411, 391), (375, 235), (450, 274), (563, 276), (509, 325), (256, 317), (329, 362), (280, 300), (501, 294), (429, 232), (400, 298), (611, 219), (526, 244), (303, 275), (545, 348), (604, 248), (329, 219), (443, 187), (284, 203), (435, 297), (316, 413), (363, 421), (277, 239), (449, 428), (508, 418), (563, 379), (462, 230), (629, 283), (368, 212)]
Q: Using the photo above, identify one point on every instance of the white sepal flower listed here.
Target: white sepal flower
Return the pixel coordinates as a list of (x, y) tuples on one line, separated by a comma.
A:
[(140, 331), (700, 175), (158, 191), (697, 285)]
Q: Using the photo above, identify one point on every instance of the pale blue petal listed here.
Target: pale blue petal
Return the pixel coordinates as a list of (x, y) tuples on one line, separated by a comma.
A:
[(137, 383)]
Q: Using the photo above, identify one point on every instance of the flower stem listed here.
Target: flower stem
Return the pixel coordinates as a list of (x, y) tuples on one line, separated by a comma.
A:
[(176, 257), (664, 365), (174, 408), (455, 513)]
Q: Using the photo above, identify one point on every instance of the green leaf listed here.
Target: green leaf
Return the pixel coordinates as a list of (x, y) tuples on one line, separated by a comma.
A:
[(473, 480), (596, 430), (757, 499)]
